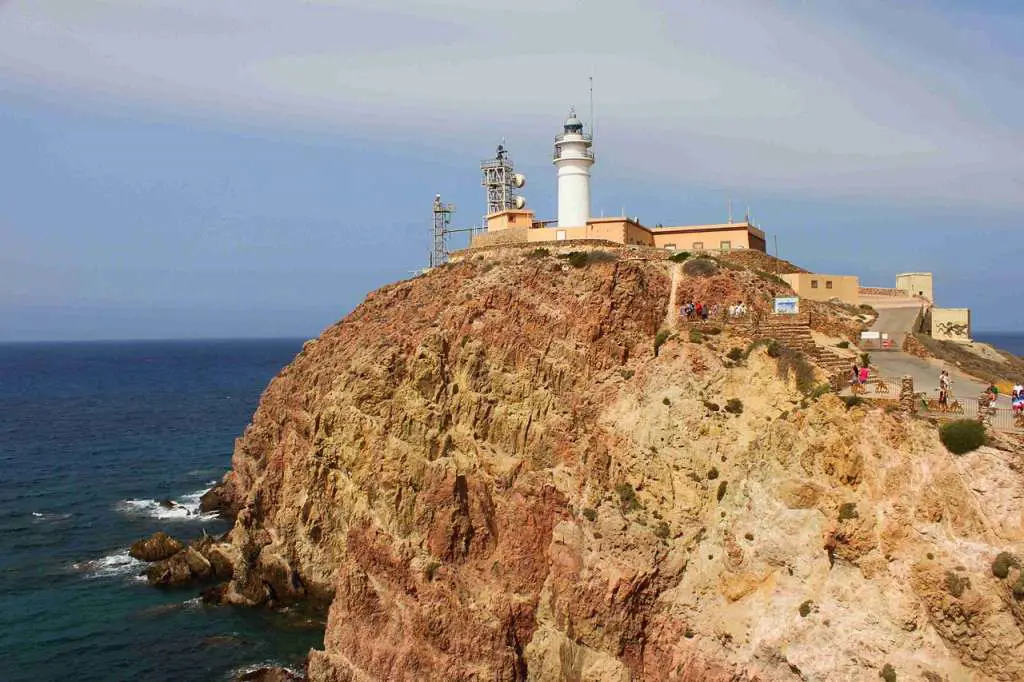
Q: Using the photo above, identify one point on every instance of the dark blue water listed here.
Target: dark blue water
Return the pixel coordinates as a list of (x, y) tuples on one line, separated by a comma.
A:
[(1012, 342), (91, 436)]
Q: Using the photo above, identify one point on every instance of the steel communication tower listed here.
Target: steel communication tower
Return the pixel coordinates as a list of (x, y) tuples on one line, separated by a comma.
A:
[(500, 179), (442, 226)]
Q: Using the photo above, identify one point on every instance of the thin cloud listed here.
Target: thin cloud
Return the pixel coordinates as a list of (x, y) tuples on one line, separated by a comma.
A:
[(906, 102)]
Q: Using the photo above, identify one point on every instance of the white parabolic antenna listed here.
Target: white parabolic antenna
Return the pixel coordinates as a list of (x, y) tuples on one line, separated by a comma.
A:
[(520, 202), (518, 180)]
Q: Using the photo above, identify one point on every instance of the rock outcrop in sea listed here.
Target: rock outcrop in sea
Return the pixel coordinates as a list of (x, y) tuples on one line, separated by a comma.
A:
[(500, 470)]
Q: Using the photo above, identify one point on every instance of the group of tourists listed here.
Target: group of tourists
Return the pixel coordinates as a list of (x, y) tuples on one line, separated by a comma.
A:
[(858, 375), (1017, 399), (698, 311)]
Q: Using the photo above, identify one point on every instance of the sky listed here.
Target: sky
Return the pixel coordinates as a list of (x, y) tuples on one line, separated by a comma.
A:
[(193, 169)]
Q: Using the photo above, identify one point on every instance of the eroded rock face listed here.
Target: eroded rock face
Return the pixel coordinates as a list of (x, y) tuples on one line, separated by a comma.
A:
[(156, 547), (490, 475), (202, 561)]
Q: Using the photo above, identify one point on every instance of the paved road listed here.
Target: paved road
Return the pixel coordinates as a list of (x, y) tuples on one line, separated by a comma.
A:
[(925, 372), (896, 316)]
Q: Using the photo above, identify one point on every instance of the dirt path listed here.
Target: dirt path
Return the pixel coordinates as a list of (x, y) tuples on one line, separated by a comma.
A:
[(672, 315)]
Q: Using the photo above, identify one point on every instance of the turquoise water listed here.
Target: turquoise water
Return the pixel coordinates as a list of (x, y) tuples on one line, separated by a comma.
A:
[(91, 437)]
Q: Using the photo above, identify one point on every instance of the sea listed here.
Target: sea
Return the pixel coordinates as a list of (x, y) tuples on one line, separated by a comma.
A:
[(1012, 342), (92, 437)]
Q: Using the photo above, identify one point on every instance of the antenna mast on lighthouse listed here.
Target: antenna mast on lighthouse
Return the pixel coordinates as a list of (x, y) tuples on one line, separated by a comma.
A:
[(501, 181)]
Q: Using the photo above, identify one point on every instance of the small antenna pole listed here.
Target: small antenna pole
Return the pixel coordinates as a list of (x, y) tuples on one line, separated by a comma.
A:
[(729, 204), (591, 108)]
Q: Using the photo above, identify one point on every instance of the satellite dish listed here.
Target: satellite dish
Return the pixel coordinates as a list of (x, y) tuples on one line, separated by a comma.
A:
[(518, 180), (520, 202)]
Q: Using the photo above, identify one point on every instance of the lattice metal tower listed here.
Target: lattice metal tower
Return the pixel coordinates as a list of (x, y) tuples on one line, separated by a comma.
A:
[(442, 226), (500, 179)]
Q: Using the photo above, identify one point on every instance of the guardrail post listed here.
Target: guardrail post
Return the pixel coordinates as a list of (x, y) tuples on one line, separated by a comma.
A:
[(984, 411), (907, 402)]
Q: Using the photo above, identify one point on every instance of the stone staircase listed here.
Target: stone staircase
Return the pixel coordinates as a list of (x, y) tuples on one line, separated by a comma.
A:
[(795, 332)]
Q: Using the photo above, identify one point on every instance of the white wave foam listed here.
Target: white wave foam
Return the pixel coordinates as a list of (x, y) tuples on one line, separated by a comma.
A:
[(111, 566), (270, 663), (185, 508), (40, 517)]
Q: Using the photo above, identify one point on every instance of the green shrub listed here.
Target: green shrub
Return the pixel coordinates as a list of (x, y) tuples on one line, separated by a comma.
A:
[(431, 569), (627, 496), (577, 259), (794, 362), (734, 406), (771, 346), (1003, 562), (962, 436), (956, 584), (713, 407), (666, 401), (722, 487), (727, 264), (865, 359), (700, 267), (538, 253), (843, 344), (589, 514), (735, 354), (696, 336), (805, 608), (888, 673), (626, 373), (601, 257), (852, 401), (659, 340), (712, 474), (1018, 587), (661, 530), (848, 510), (820, 390), (711, 331), (679, 257)]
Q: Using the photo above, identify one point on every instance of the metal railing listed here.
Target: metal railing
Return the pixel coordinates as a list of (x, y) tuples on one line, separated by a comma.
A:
[(877, 387), (1001, 418)]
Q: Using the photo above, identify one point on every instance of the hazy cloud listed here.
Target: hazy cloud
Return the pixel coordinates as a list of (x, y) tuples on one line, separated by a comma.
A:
[(907, 102)]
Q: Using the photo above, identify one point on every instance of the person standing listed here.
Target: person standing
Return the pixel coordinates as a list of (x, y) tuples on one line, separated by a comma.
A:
[(943, 388)]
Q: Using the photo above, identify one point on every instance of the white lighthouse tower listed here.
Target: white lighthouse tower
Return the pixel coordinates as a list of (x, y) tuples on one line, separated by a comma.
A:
[(573, 159)]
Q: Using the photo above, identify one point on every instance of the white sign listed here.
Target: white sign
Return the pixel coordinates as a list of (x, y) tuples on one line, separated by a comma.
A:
[(870, 335), (788, 305)]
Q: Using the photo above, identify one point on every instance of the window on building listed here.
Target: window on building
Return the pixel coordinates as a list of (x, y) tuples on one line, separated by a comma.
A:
[(698, 246), (726, 246), (511, 217), (828, 284), (560, 235), (670, 247), (814, 284)]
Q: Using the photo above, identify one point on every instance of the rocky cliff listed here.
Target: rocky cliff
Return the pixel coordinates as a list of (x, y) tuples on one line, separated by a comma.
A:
[(491, 473)]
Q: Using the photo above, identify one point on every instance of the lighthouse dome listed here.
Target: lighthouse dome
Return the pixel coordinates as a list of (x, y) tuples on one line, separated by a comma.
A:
[(573, 124)]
